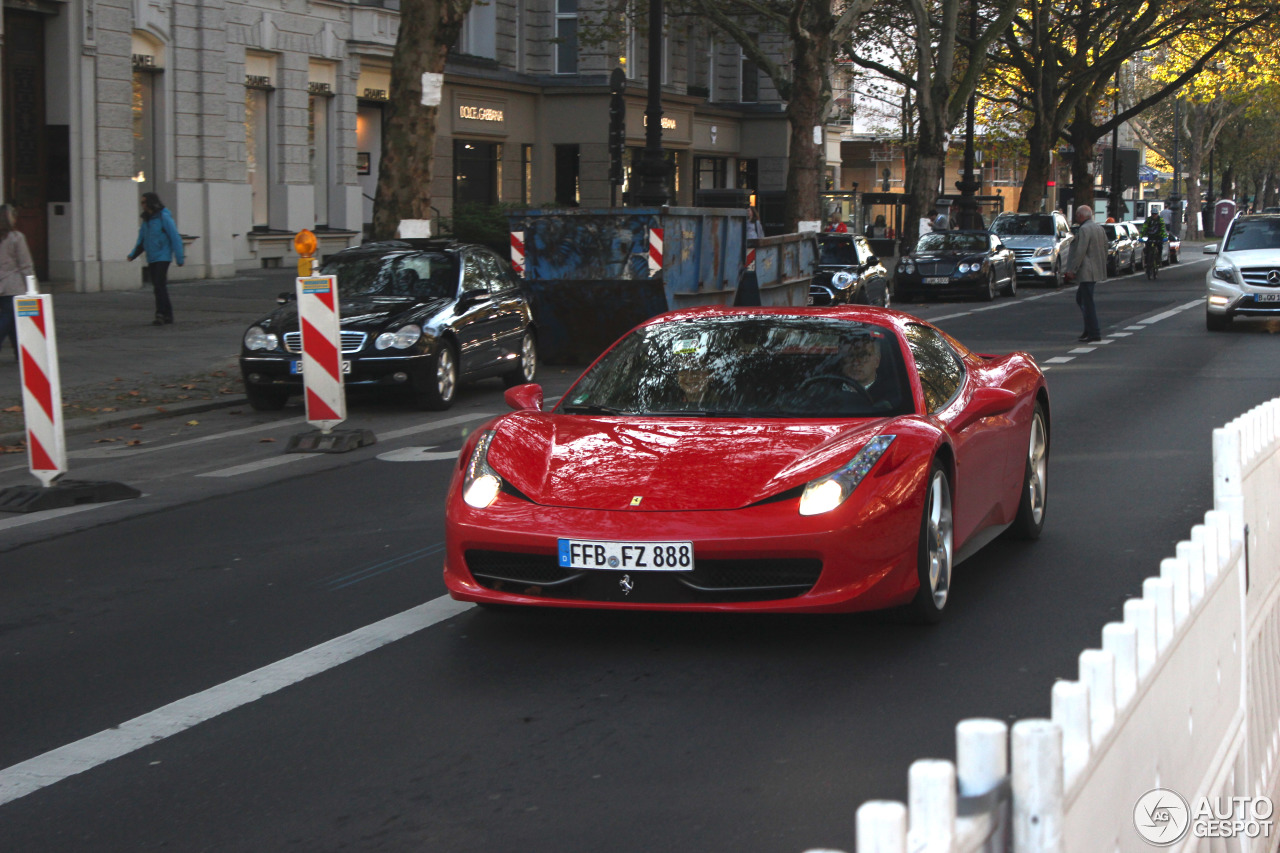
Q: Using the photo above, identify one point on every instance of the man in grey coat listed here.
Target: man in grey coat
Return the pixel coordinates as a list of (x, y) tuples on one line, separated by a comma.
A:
[(1087, 266)]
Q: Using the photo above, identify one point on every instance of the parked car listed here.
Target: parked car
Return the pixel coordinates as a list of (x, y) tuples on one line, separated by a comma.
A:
[(1244, 280), (848, 273), (1039, 240), (419, 315), (970, 263), (1135, 235), (768, 459), (1123, 252)]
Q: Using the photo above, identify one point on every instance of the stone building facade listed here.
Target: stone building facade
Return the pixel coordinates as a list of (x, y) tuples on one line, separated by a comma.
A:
[(253, 119)]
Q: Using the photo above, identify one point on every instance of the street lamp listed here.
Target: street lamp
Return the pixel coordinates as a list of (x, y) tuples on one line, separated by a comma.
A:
[(652, 167)]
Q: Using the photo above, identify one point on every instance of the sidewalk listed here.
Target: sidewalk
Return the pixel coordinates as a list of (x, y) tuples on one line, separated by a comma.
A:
[(118, 368)]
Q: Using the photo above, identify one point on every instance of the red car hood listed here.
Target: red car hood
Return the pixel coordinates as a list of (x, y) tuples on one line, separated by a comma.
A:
[(668, 464)]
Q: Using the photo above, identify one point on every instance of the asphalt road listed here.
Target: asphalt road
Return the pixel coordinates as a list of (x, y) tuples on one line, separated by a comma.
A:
[(455, 729)]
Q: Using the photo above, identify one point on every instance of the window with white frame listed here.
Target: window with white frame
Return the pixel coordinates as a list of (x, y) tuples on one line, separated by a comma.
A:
[(479, 28), (318, 142), (566, 36)]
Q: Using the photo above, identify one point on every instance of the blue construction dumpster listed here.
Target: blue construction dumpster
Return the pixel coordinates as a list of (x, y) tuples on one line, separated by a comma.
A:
[(594, 274)]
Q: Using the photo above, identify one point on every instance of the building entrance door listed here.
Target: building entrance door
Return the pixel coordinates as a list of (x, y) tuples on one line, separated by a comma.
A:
[(25, 162)]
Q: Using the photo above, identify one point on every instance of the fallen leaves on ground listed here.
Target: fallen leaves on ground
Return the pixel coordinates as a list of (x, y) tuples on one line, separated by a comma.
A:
[(14, 409), (193, 423), (266, 441), (105, 440), (136, 426), (133, 442), (13, 448)]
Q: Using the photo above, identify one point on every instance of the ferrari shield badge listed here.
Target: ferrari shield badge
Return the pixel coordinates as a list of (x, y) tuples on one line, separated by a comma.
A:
[(636, 500), (626, 584)]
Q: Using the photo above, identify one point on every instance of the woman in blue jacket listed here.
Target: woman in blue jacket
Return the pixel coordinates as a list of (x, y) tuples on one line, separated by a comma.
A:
[(158, 236)]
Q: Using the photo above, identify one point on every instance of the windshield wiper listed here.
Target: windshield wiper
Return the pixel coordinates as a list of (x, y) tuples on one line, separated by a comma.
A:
[(590, 410)]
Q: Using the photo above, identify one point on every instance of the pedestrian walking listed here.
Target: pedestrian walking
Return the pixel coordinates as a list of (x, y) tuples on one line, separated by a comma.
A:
[(1088, 266), (15, 266), (755, 230), (158, 237)]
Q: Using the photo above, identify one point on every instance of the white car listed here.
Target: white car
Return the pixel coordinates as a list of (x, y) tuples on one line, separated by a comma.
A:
[(1244, 280)]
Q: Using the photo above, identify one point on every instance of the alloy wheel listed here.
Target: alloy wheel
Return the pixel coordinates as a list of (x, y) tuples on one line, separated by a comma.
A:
[(1038, 465), (938, 539)]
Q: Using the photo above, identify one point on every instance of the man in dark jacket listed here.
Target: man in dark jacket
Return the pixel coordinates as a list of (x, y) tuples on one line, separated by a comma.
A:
[(1088, 266)]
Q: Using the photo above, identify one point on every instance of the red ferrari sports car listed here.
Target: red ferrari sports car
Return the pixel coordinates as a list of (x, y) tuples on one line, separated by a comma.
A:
[(765, 459)]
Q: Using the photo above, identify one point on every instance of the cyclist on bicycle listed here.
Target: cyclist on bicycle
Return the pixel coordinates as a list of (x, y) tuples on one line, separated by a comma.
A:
[(1155, 234)]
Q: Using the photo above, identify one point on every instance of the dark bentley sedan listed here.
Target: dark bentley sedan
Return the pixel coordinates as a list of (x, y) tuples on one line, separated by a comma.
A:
[(419, 315), (951, 263), (848, 273)]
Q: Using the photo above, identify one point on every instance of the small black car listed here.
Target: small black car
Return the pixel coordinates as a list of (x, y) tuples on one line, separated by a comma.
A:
[(950, 263), (848, 273), (420, 315)]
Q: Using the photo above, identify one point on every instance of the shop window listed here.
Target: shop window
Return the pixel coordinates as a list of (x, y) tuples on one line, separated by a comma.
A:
[(526, 175), (709, 173), (318, 142), (476, 172), (568, 191), (566, 36), (748, 174), (257, 139), (146, 131)]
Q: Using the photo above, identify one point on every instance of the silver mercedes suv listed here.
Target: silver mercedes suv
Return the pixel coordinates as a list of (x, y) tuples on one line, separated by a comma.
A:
[(1039, 242), (1244, 280)]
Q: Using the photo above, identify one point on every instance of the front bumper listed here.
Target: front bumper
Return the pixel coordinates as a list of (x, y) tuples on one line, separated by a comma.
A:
[(1224, 299), (276, 369), (861, 556), (1038, 269), (907, 285)]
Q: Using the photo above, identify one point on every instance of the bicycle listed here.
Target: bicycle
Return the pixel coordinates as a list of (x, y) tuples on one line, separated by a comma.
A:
[(1151, 259)]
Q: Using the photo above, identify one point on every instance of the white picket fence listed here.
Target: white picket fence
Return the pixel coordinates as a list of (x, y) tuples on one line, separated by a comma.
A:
[(1184, 695)]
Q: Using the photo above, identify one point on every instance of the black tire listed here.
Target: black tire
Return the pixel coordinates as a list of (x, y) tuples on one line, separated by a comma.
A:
[(528, 366), (1217, 322), (886, 295), (436, 389), (1035, 481), (989, 292), (1173, 256), (935, 552), (266, 399), (1011, 289)]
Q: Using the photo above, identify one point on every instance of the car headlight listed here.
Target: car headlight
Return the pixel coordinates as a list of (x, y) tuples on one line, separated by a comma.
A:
[(829, 492), (843, 280), (402, 338), (481, 484), (1044, 252), (906, 266), (258, 338), (1225, 273)]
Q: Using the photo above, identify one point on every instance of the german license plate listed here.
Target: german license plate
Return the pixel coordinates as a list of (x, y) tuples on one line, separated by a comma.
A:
[(295, 367), (626, 556), (1267, 297), (936, 280)]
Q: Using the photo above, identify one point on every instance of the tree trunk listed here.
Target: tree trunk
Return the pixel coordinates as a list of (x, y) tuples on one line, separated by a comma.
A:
[(1036, 179), (926, 175), (806, 110), (1192, 227), (1082, 144), (427, 29)]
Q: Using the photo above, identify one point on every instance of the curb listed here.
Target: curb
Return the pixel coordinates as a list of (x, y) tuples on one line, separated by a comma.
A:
[(79, 426)]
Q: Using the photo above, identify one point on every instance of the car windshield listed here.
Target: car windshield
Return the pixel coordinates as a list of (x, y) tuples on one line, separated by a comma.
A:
[(1112, 232), (748, 366), (1249, 234), (1034, 225), (838, 253), (421, 277), (950, 242)]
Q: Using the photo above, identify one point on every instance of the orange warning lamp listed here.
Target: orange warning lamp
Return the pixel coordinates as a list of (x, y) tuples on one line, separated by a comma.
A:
[(304, 243)]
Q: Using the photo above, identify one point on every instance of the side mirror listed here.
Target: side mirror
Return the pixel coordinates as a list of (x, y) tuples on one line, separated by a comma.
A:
[(1211, 249), (524, 397), (873, 260), (286, 296), (986, 403)]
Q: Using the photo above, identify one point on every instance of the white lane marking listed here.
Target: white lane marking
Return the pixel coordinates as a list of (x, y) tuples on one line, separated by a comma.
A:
[(1081, 350), (237, 470), (414, 430), (994, 307), (949, 317), (33, 517), (120, 450), (1134, 328), (33, 774), (1171, 312), (1060, 359), (1102, 342), (418, 454), (1119, 335)]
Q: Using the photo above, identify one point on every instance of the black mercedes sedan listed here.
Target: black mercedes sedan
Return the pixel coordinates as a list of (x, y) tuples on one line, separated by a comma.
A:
[(956, 263), (848, 273), (417, 315)]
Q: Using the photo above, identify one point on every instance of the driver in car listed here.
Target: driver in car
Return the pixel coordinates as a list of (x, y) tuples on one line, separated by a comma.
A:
[(859, 368)]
